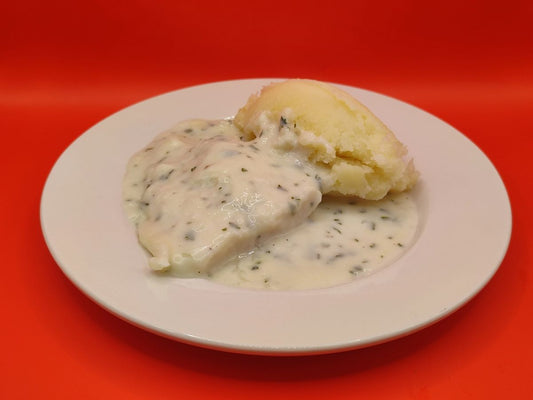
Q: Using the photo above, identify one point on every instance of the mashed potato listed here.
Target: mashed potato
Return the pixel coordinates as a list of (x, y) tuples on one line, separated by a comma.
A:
[(339, 133)]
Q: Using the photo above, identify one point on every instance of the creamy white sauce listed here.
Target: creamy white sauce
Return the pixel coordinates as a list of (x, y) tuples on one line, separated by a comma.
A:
[(207, 203), (342, 240), (199, 194)]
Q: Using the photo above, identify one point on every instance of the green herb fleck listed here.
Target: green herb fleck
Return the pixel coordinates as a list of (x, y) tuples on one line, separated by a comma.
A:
[(166, 176), (292, 208), (356, 270), (234, 225)]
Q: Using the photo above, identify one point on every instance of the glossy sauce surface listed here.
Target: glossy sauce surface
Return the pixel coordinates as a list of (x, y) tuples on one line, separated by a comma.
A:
[(344, 239), (249, 213)]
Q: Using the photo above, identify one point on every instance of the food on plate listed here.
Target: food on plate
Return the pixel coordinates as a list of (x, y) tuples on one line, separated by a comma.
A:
[(282, 196), (199, 194), (363, 156), (343, 239)]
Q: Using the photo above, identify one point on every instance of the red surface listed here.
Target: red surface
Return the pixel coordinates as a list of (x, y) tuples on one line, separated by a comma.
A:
[(65, 65)]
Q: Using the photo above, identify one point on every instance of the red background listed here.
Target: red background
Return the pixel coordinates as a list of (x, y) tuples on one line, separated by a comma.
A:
[(65, 65)]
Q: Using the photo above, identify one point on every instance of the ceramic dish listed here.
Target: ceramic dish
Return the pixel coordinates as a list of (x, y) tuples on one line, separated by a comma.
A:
[(465, 225)]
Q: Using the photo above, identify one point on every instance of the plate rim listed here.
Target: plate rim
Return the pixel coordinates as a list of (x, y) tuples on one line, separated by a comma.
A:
[(259, 349)]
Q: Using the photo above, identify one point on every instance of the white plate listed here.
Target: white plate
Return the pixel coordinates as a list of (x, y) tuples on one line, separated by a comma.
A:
[(464, 233)]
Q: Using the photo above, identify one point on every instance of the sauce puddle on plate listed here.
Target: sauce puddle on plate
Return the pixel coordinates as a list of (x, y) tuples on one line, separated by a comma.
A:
[(344, 239)]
